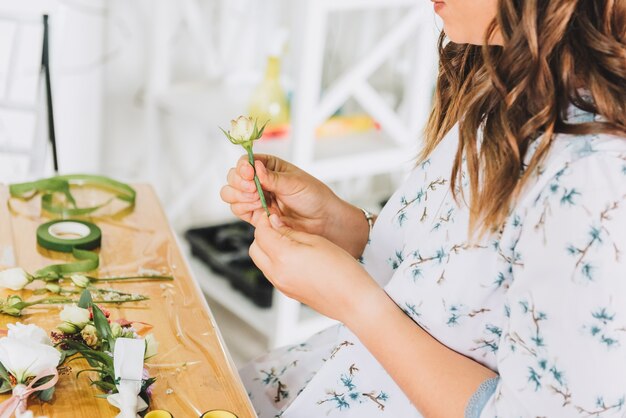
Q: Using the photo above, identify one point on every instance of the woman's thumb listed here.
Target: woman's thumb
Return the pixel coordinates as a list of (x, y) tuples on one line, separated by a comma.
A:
[(269, 179), (276, 222)]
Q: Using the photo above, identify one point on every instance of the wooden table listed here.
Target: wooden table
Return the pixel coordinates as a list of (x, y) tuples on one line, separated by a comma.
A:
[(193, 369)]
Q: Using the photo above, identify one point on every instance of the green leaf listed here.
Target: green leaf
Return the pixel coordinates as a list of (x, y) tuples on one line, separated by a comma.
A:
[(46, 395), (85, 299), (4, 375), (100, 371), (102, 325), (93, 357), (104, 386), (260, 134), (5, 386), (230, 138), (43, 381)]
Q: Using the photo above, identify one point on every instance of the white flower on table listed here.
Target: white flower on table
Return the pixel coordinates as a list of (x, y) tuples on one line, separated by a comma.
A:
[(23, 355), (74, 317), (28, 332), (14, 278)]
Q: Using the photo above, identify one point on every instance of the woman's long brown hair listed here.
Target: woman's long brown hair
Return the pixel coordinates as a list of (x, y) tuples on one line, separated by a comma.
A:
[(503, 97)]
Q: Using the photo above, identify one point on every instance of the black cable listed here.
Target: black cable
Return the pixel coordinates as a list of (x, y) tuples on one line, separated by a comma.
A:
[(45, 66)]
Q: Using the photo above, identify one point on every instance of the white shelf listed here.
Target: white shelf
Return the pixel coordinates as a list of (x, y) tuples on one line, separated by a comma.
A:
[(334, 158), (263, 320)]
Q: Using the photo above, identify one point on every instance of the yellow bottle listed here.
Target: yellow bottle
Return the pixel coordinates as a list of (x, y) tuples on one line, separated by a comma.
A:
[(269, 102)]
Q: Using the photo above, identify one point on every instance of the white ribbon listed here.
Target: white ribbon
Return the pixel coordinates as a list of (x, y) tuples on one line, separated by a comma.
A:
[(128, 363)]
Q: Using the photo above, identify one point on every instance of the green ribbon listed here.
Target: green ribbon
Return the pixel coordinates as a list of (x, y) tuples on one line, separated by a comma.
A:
[(61, 185), (88, 261)]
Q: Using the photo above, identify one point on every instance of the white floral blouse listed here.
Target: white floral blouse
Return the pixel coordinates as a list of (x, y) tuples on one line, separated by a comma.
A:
[(543, 304)]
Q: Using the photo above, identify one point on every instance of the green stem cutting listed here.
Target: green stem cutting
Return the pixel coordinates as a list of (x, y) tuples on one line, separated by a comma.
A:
[(256, 180)]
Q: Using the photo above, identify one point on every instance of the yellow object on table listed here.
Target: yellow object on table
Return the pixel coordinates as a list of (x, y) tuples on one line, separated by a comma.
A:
[(158, 414), (193, 370), (218, 413)]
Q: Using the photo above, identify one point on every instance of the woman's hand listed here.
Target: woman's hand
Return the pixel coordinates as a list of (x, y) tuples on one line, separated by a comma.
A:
[(313, 270), (303, 202)]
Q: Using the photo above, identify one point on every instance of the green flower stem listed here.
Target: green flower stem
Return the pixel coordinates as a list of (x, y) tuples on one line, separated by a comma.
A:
[(130, 297), (129, 278), (256, 179), (47, 301)]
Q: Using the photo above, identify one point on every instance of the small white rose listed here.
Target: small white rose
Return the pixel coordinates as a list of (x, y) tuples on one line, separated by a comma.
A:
[(75, 315), (14, 279), (152, 346), (80, 280), (28, 332), (24, 359), (241, 129)]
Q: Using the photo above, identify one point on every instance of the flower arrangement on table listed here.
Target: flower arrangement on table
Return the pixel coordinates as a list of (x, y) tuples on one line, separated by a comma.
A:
[(28, 366), (86, 332), (30, 360)]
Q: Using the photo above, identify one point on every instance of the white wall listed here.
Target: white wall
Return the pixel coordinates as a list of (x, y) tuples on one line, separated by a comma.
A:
[(77, 29)]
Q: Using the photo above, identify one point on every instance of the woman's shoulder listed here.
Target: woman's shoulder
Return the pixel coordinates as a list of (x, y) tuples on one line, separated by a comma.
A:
[(595, 163)]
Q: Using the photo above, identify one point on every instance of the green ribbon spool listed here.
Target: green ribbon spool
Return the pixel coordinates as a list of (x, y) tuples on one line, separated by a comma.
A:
[(69, 236), (66, 235)]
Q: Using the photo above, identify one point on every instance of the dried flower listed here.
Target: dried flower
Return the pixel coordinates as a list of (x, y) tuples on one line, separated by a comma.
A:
[(90, 335)]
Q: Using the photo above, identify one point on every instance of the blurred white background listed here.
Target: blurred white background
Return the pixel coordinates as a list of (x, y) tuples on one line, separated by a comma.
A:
[(141, 86)]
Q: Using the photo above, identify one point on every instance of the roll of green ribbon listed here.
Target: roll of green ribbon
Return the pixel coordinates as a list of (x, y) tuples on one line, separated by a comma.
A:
[(70, 236), (66, 235), (61, 185)]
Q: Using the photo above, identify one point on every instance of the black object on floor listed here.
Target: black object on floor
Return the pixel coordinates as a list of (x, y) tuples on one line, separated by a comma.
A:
[(224, 248)]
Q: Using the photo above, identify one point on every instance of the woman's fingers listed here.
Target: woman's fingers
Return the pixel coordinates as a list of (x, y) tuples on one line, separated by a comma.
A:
[(244, 169), (244, 210), (236, 181), (275, 238), (231, 195)]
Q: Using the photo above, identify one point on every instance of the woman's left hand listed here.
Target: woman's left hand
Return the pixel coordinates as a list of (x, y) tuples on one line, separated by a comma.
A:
[(312, 270)]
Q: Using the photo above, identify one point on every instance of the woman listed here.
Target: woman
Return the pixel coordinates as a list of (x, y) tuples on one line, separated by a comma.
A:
[(494, 280)]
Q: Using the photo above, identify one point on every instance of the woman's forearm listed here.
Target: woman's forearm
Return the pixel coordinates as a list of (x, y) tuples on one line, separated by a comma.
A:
[(348, 229), (437, 380)]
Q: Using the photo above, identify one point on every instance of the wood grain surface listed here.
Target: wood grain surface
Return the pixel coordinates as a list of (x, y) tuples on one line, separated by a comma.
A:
[(193, 370)]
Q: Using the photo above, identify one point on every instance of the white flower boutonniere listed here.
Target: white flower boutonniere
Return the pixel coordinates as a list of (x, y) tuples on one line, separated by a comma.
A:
[(243, 131)]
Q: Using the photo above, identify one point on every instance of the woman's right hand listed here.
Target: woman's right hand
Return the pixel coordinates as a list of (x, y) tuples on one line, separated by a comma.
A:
[(303, 202)]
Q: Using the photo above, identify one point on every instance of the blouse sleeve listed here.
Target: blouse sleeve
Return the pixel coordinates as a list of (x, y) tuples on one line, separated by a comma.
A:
[(562, 351)]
